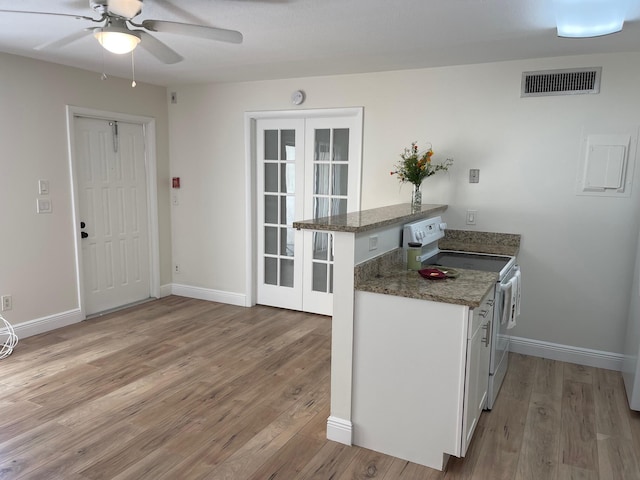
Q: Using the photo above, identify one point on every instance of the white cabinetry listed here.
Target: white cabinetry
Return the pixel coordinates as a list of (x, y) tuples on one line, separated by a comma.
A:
[(420, 373), (477, 367)]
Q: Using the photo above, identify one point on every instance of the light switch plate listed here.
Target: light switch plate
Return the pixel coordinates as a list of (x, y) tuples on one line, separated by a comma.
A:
[(43, 205), (474, 175), (43, 187)]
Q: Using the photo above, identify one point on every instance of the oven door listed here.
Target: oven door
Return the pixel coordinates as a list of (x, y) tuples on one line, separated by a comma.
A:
[(500, 342)]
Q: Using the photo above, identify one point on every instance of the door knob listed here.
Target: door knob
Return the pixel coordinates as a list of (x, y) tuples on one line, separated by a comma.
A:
[(84, 234)]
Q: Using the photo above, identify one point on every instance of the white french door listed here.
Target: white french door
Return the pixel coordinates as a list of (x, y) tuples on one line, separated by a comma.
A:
[(112, 186), (306, 168), (280, 199), (331, 188)]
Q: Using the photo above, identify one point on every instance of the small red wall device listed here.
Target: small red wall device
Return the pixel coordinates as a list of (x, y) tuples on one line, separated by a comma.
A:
[(175, 182)]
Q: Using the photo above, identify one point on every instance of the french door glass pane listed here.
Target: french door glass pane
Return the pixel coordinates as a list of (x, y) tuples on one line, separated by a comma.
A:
[(340, 179), (338, 206), (271, 177), (323, 145), (270, 240), (288, 177), (287, 209), (270, 271), (270, 209), (320, 245), (271, 144), (321, 175), (286, 273), (286, 242), (319, 283), (341, 145), (320, 207), (288, 145), (331, 278)]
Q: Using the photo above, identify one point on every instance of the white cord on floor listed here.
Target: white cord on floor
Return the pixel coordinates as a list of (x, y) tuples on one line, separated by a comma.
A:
[(9, 336)]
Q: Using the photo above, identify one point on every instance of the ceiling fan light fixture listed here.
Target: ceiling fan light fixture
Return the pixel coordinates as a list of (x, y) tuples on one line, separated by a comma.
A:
[(119, 41), (589, 18)]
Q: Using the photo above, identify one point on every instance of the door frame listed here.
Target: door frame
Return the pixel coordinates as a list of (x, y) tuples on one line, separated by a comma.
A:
[(250, 121), (149, 127)]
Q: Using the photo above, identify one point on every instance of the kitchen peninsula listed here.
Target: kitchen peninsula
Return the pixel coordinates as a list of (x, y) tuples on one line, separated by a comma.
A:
[(400, 361)]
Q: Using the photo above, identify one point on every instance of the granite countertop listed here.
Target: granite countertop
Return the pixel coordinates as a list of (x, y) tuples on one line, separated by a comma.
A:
[(389, 275), (480, 242), (366, 220)]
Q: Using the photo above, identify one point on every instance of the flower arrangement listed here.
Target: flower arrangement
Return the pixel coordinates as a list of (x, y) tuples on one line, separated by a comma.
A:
[(416, 165)]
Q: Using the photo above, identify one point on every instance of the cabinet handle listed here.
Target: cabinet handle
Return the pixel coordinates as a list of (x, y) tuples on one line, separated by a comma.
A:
[(487, 330), (483, 313), (490, 302)]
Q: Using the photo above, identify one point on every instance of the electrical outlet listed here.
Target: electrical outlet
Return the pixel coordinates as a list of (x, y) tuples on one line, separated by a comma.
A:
[(373, 242), (472, 217), (176, 268), (7, 303)]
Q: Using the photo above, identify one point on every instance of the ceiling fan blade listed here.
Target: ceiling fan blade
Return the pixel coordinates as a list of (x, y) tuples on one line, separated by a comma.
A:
[(61, 42), (201, 31), (79, 17), (158, 49), (179, 11)]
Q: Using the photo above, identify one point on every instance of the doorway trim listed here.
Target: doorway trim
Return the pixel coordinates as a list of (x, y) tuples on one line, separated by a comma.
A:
[(250, 121), (149, 126)]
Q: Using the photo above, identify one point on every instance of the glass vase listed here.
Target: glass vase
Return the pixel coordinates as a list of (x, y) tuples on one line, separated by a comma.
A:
[(416, 199)]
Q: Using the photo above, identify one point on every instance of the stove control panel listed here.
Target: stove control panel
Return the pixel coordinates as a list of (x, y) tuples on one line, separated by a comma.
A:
[(424, 231)]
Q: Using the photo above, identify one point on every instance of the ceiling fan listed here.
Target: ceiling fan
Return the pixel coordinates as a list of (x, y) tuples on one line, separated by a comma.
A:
[(119, 33)]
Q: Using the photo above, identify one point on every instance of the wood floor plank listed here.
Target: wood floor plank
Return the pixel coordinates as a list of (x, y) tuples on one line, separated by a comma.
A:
[(611, 406), (578, 373), (505, 424), (330, 460), (367, 464), (578, 447), (187, 389), (404, 470), (617, 458), (539, 452)]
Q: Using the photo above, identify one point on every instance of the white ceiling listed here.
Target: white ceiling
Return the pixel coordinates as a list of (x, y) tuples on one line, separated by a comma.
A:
[(298, 38)]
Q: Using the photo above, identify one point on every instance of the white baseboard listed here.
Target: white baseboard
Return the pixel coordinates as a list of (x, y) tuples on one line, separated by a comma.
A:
[(165, 290), (339, 430), (567, 353), (238, 299), (45, 324)]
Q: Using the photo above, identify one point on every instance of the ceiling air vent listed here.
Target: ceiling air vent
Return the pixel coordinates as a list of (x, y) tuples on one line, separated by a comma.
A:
[(561, 82)]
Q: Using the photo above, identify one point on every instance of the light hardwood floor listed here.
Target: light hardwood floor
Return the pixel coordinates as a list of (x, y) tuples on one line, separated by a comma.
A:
[(184, 389)]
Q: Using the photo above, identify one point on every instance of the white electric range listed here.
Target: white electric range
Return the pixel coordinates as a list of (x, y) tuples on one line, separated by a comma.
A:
[(427, 232)]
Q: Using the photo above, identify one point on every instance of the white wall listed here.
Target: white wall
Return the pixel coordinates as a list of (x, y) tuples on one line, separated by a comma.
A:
[(37, 258), (576, 251)]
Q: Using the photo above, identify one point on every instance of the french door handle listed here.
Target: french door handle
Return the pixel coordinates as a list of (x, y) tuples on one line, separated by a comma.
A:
[(84, 234)]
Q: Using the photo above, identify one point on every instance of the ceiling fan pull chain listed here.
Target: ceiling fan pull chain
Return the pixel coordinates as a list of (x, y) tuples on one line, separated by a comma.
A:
[(104, 75), (114, 127), (133, 71)]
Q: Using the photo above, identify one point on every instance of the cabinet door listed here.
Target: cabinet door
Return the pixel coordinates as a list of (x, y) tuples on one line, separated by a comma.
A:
[(473, 387), (477, 368)]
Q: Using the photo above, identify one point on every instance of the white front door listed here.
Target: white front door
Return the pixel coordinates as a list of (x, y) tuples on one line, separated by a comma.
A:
[(306, 168), (112, 188)]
